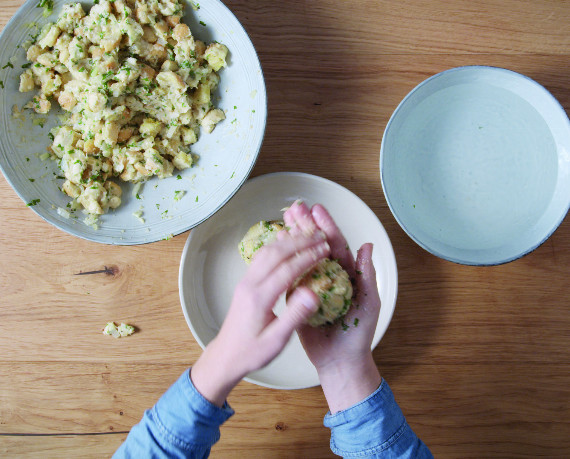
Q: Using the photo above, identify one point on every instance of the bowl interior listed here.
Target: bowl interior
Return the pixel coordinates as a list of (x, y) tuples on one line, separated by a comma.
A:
[(475, 165), (211, 266), (227, 155)]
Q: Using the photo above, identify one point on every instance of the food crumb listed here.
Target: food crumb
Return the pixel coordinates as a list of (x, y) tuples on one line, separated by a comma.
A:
[(120, 331)]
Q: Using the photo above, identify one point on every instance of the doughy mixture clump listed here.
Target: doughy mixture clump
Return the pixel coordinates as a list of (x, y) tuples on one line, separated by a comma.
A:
[(332, 285), (328, 280), (137, 86), (257, 236)]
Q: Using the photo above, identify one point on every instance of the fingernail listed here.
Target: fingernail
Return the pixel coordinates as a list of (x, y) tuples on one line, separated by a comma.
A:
[(320, 250)]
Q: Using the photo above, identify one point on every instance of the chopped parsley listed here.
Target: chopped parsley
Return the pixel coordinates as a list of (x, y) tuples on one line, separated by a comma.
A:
[(33, 202), (137, 196), (203, 23), (47, 5), (196, 198), (344, 326), (178, 177), (32, 180), (356, 320), (358, 272), (1, 84), (9, 64), (27, 66)]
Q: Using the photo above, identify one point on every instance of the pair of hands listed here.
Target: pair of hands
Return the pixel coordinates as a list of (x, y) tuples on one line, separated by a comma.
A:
[(252, 336)]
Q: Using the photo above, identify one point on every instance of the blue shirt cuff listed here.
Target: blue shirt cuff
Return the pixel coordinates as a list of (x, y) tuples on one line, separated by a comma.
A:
[(374, 425), (186, 418)]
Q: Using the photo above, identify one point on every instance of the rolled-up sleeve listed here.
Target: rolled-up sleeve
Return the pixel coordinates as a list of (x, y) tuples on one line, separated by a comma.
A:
[(374, 427), (182, 424)]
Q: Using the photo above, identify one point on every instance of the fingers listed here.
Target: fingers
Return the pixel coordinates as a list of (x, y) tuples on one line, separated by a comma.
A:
[(283, 277), (339, 247), (301, 305), (271, 256), (299, 219)]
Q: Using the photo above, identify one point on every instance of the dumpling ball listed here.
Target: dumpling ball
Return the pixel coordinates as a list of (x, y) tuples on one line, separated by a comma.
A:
[(331, 283), (257, 236)]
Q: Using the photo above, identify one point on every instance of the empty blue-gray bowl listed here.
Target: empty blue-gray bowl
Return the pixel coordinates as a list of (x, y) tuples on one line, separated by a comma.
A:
[(475, 165)]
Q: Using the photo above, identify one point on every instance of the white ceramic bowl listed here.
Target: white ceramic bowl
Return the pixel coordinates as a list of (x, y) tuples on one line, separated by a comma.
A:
[(475, 165), (226, 156), (211, 266)]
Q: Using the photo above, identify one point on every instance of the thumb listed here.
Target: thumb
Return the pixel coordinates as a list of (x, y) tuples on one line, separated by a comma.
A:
[(301, 305), (365, 273)]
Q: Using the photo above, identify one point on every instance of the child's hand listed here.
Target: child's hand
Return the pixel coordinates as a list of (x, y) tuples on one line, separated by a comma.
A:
[(251, 335), (341, 354)]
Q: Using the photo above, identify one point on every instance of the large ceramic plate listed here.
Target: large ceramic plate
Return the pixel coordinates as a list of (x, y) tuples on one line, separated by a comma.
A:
[(226, 156), (211, 266)]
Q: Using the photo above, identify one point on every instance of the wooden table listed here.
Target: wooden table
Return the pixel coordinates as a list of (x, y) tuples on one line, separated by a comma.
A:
[(478, 358)]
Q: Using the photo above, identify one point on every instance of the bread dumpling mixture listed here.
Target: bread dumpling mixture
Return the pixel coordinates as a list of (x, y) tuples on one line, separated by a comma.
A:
[(137, 86), (328, 280), (256, 237)]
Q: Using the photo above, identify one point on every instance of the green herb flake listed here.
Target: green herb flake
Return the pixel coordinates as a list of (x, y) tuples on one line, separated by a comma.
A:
[(356, 320), (203, 23), (47, 5), (358, 272), (196, 198), (178, 177), (1, 84), (32, 180), (137, 196), (27, 66), (9, 64), (33, 202), (344, 326)]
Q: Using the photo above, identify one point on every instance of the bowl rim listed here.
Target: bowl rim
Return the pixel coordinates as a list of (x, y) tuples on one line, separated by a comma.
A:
[(424, 246)]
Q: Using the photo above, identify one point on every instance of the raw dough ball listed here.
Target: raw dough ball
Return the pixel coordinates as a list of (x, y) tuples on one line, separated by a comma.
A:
[(332, 285), (257, 236)]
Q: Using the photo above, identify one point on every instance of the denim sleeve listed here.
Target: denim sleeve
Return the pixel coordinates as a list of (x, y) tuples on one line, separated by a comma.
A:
[(374, 428), (182, 424)]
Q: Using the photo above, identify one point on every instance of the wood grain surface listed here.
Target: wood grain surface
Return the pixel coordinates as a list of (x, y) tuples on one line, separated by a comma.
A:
[(478, 358)]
